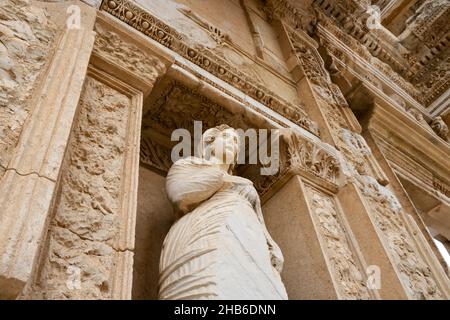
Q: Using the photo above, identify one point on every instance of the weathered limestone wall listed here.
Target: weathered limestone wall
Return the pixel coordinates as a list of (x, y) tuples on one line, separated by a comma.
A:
[(83, 233), (42, 69), (88, 252), (27, 43), (69, 166)]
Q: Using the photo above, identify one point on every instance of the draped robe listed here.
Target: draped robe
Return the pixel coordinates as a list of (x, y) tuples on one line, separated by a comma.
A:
[(220, 247)]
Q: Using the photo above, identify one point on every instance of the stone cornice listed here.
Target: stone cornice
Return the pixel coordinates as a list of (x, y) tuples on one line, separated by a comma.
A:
[(284, 10), (299, 156), (361, 66), (421, 61), (143, 21), (393, 125), (351, 17)]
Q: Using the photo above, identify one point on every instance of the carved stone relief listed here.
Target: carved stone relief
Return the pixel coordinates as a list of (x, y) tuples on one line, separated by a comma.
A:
[(387, 214), (155, 155), (214, 32), (310, 157), (111, 47), (383, 208), (26, 38), (440, 128), (297, 156), (327, 30), (151, 26), (83, 232), (345, 268), (178, 106)]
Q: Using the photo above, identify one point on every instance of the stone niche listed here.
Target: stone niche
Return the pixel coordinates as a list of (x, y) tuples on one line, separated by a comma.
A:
[(172, 104)]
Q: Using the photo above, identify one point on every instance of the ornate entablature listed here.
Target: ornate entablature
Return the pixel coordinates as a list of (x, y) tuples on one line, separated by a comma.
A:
[(352, 17), (298, 155), (143, 21), (286, 11), (403, 59), (367, 69)]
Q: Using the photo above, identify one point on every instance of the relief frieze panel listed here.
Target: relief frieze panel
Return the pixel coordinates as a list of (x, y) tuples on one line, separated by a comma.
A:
[(387, 214), (345, 269), (110, 47)]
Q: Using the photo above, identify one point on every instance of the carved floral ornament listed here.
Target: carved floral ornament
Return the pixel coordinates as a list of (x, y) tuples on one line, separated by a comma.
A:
[(440, 128), (109, 45), (309, 157), (300, 156), (140, 19)]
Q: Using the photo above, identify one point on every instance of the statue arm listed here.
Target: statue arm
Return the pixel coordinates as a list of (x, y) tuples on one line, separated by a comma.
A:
[(190, 182)]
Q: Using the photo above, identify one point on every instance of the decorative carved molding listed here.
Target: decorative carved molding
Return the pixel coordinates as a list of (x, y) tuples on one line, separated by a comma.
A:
[(300, 156), (440, 128), (351, 16), (409, 166), (110, 47), (420, 61), (329, 33), (307, 156), (177, 106), (429, 22), (140, 19), (284, 10), (214, 32), (155, 155), (387, 215), (346, 271), (327, 94)]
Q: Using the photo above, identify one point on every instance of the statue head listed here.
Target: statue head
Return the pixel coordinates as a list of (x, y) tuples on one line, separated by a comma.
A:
[(220, 144)]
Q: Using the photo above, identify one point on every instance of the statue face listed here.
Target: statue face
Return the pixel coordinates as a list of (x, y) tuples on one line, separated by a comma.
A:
[(225, 146)]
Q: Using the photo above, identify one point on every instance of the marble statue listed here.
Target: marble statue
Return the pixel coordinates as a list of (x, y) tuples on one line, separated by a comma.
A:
[(220, 247)]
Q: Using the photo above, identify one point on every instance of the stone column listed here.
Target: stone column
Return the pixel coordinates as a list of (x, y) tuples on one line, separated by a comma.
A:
[(376, 218), (88, 252), (40, 88), (302, 212)]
